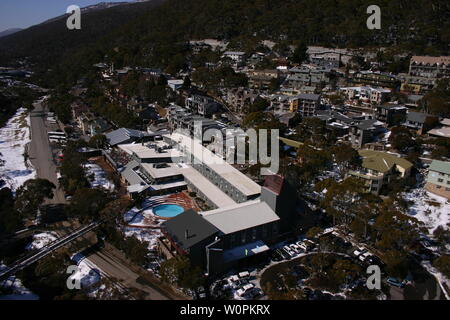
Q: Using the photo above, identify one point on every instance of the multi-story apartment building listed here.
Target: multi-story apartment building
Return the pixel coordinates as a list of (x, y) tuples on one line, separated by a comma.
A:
[(306, 104), (261, 79), (238, 57), (219, 239), (279, 103), (415, 84), (430, 67), (238, 98), (364, 132), (421, 122), (367, 94), (375, 79), (378, 168), (391, 113), (202, 105), (438, 178), (306, 75)]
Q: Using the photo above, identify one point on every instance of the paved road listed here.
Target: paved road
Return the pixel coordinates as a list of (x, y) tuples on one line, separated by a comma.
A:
[(41, 154), (42, 159), (113, 266)]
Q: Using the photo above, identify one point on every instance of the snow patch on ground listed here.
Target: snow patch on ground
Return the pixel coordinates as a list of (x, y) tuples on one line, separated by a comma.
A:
[(142, 223), (14, 289), (41, 240), (98, 177), (441, 279), (144, 234), (431, 209), (13, 139), (88, 273)]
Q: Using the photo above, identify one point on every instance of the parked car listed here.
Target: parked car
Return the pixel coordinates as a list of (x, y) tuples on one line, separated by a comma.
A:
[(363, 257), (294, 248), (356, 253), (289, 251), (201, 293), (307, 245), (307, 291), (394, 282), (375, 260), (283, 254)]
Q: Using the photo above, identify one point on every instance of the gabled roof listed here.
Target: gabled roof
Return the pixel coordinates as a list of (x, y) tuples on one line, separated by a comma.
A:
[(369, 124), (189, 223), (123, 135), (382, 161), (440, 166), (291, 143), (130, 175), (417, 116)]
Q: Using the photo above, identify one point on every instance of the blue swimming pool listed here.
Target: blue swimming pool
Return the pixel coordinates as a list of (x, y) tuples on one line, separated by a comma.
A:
[(168, 210)]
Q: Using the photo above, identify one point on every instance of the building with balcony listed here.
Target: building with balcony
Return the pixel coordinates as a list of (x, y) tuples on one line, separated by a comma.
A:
[(220, 239), (261, 79), (202, 105), (375, 79), (367, 95), (391, 113), (305, 104), (378, 168), (430, 67)]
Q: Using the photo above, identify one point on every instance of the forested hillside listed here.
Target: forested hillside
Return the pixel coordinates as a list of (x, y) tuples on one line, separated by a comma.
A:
[(51, 41), (157, 36)]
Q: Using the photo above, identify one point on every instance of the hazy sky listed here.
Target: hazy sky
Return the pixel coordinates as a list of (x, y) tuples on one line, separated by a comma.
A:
[(25, 13)]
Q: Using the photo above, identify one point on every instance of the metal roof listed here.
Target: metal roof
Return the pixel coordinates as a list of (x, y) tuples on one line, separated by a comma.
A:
[(417, 116), (190, 224), (440, 166), (382, 161), (124, 135), (241, 217), (130, 175), (233, 176)]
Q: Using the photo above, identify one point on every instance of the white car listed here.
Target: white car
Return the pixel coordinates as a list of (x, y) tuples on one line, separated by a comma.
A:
[(356, 253), (288, 251), (364, 256), (232, 280), (294, 248)]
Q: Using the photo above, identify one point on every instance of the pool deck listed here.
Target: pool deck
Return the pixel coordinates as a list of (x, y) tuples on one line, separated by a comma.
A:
[(145, 218)]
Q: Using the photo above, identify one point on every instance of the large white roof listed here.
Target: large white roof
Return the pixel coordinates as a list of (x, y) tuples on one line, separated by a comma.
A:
[(211, 191), (241, 216), (236, 178), (144, 152)]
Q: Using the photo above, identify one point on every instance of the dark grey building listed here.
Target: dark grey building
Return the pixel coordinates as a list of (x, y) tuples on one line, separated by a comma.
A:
[(391, 114)]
